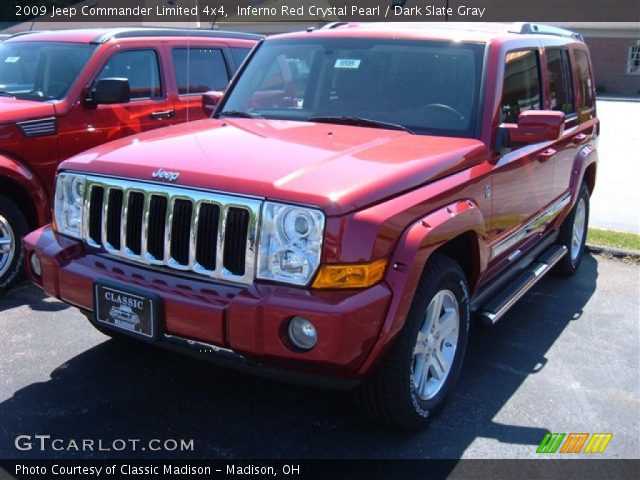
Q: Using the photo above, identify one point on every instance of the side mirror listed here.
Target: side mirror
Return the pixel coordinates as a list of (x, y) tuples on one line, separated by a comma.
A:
[(210, 101), (536, 126), (111, 90)]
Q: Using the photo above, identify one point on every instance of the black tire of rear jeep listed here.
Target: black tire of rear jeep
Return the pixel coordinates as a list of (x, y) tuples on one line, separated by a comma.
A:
[(568, 265), (388, 395), (11, 219)]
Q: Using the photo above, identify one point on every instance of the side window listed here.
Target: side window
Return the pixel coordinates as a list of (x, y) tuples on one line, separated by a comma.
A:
[(199, 70), (560, 80), (140, 67), (521, 88), (239, 54), (585, 79)]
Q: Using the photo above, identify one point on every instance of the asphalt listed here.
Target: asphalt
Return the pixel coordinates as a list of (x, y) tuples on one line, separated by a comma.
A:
[(616, 199), (565, 359)]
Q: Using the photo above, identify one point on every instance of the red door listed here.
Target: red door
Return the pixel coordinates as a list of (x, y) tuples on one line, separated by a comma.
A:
[(197, 69), (522, 179), (89, 125)]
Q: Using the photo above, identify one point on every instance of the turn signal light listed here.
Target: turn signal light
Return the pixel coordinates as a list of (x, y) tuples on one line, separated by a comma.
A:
[(355, 275)]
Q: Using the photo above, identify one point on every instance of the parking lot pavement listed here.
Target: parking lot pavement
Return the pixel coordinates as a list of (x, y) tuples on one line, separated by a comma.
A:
[(615, 201), (565, 359)]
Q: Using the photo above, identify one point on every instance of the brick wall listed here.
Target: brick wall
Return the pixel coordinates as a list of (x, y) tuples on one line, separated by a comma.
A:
[(609, 58)]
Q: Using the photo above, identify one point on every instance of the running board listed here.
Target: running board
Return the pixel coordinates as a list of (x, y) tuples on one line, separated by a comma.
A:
[(491, 312)]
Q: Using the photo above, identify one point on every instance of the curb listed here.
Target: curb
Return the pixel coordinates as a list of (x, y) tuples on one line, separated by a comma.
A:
[(614, 252), (612, 98)]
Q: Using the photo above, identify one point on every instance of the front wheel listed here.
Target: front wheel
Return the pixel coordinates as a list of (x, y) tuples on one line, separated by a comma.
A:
[(13, 227), (573, 234), (418, 374)]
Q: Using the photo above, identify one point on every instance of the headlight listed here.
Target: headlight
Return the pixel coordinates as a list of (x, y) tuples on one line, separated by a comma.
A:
[(69, 203), (290, 243)]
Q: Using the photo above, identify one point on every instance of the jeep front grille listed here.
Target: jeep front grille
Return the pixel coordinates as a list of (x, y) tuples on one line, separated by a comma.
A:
[(210, 234)]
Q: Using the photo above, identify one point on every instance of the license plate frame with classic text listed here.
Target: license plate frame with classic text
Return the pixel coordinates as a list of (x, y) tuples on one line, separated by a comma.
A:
[(126, 310)]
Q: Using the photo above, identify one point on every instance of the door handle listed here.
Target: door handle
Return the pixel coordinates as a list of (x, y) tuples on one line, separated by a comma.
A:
[(163, 114), (579, 139), (547, 154)]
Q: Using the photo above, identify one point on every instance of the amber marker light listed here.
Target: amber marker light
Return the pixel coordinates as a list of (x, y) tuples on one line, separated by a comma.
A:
[(354, 275)]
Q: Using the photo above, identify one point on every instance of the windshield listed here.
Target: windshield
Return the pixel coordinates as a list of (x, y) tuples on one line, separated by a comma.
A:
[(41, 70), (425, 87)]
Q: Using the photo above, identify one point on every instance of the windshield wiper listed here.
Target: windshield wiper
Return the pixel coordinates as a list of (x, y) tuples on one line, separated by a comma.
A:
[(239, 114), (6, 94), (360, 122)]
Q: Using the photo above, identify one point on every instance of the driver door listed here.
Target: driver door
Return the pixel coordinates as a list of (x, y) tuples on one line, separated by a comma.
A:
[(89, 125)]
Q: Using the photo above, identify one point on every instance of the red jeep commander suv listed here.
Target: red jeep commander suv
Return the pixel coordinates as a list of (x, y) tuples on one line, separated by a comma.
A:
[(360, 195), (62, 92)]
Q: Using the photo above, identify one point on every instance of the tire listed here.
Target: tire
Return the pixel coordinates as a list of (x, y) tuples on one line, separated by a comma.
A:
[(394, 393), (13, 227), (571, 237)]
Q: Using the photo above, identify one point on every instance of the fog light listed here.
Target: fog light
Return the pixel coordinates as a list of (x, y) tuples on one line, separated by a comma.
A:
[(302, 333), (36, 267)]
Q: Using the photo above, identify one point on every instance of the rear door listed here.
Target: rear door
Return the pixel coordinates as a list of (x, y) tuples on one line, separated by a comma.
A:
[(581, 124), (198, 68), (560, 97), (90, 125)]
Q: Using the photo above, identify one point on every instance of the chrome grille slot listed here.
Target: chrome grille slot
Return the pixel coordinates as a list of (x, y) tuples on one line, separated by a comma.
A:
[(208, 218), (156, 223), (236, 237), (135, 218), (113, 215), (210, 234), (181, 231), (95, 215)]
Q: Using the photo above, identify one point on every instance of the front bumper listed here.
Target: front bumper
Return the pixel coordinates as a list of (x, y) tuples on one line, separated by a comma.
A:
[(250, 321)]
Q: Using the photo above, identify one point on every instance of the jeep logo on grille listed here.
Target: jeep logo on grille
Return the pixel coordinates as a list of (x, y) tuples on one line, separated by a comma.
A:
[(164, 175)]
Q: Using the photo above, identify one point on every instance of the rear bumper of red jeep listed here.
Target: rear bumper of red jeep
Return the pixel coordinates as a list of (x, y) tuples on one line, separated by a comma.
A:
[(249, 322)]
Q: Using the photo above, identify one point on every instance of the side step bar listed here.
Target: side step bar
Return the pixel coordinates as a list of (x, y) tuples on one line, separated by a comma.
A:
[(490, 313)]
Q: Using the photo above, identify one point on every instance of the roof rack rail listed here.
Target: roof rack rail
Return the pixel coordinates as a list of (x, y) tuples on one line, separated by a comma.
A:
[(332, 25), (173, 32), (539, 28), (22, 32)]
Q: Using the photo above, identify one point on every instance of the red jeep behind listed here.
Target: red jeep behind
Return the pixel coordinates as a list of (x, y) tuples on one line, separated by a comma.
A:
[(62, 92), (361, 193)]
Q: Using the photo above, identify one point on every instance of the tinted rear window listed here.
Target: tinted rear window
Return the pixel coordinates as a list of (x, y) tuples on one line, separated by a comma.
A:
[(199, 70)]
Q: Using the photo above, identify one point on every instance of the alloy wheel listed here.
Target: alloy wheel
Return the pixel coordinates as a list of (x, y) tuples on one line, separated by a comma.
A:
[(435, 346), (7, 245)]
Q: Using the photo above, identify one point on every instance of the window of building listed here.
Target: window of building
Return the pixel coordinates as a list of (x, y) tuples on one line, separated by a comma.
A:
[(521, 88), (585, 79), (140, 67), (560, 80), (633, 61), (199, 70)]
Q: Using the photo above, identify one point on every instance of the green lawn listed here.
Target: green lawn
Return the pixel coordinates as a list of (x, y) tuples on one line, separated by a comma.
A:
[(611, 238)]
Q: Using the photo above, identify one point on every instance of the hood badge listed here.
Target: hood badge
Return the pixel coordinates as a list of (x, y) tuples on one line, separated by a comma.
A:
[(162, 174)]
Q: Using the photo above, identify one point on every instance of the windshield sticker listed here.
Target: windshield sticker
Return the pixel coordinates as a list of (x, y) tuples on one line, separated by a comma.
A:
[(11, 59), (347, 63)]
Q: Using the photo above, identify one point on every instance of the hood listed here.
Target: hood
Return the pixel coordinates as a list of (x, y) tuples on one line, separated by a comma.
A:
[(337, 168), (15, 110)]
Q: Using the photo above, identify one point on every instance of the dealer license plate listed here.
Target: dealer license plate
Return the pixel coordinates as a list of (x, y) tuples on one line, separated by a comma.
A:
[(122, 309)]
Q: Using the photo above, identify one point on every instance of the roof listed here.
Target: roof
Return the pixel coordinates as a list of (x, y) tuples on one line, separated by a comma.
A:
[(460, 31), (101, 35)]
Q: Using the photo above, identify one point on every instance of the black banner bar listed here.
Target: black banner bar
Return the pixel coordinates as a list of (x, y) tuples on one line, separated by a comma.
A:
[(206, 12), (543, 469)]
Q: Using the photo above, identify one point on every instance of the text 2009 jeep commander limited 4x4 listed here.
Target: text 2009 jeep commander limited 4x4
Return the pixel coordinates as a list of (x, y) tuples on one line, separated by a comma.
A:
[(361, 193)]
